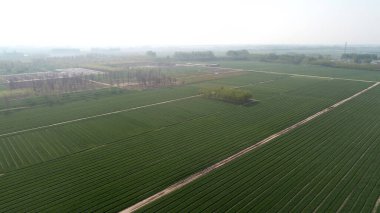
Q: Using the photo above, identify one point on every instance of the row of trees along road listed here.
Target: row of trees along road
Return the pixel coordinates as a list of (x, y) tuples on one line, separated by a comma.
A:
[(360, 58), (197, 55)]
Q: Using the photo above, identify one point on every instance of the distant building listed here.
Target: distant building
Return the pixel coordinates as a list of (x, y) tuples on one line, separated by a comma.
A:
[(375, 62)]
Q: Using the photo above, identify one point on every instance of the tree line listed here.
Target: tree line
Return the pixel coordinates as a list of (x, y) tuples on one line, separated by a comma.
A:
[(227, 94), (143, 78), (238, 54), (197, 55), (359, 58)]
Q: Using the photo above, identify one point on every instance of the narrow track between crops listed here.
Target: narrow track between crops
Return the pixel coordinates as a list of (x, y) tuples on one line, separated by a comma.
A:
[(96, 116), (188, 180), (12, 109), (376, 206)]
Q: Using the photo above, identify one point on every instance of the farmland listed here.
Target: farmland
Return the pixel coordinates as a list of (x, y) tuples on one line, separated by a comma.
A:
[(190, 106), (305, 69), (328, 165), (110, 162)]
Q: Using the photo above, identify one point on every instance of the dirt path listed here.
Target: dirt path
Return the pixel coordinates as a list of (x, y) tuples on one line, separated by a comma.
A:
[(344, 203), (376, 207), (11, 109), (251, 84), (206, 171), (96, 116)]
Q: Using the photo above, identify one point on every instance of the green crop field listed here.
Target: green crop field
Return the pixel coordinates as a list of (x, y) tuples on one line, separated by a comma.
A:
[(305, 69), (2, 86), (328, 165), (45, 115), (111, 162), (190, 106)]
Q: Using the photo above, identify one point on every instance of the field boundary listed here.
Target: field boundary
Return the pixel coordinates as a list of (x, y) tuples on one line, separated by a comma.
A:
[(96, 116), (223, 162)]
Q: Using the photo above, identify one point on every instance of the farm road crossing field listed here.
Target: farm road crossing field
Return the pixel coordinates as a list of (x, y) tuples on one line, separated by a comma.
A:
[(115, 161), (328, 165)]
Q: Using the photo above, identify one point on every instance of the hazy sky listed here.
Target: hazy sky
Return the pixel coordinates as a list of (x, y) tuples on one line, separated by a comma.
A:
[(176, 22)]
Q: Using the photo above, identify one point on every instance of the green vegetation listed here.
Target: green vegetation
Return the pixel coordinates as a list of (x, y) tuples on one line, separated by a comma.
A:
[(84, 106), (286, 58), (305, 69), (349, 61), (330, 164), (238, 54), (110, 163), (227, 94), (25, 149), (359, 58), (346, 65), (198, 55), (150, 53), (121, 146)]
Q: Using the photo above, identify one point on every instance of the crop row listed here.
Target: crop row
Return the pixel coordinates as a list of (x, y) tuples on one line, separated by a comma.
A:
[(32, 147), (120, 174), (73, 109), (28, 148), (328, 165), (45, 115)]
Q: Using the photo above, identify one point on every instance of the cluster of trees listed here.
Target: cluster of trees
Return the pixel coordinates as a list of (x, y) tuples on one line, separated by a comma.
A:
[(62, 85), (55, 85), (122, 79), (197, 55), (153, 78), (151, 54), (227, 94), (359, 58), (137, 77), (272, 57), (340, 64), (286, 58), (238, 54), (55, 89), (42, 64)]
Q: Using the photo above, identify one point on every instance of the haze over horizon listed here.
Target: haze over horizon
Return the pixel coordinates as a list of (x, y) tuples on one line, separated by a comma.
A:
[(197, 22)]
